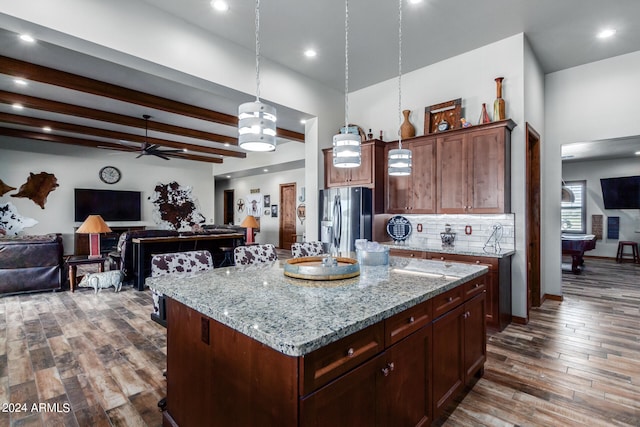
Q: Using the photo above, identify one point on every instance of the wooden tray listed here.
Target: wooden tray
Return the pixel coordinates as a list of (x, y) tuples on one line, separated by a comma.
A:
[(312, 268)]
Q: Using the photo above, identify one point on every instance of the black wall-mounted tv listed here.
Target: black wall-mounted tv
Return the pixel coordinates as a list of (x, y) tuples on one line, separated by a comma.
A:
[(112, 205), (621, 193)]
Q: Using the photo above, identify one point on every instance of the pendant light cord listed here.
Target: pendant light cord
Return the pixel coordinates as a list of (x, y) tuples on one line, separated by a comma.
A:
[(257, 50), (346, 66), (399, 73)]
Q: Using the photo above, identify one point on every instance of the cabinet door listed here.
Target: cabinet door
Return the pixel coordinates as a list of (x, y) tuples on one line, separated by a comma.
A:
[(423, 175), (405, 383), (475, 336), (351, 400), (398, 188), (452, 174), (333, 177), (363, 174), (486, 169), (448, 359)]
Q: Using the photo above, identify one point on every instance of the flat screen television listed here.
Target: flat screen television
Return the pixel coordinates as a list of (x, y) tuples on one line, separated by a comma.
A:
[(621, 193), (112, 205)]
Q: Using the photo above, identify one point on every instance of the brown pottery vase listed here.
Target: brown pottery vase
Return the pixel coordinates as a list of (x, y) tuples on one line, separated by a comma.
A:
[(406, 128), (498, 104)]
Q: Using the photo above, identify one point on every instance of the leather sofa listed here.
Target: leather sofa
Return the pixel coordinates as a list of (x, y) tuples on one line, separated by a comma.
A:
[(31, 263), (125, 249)]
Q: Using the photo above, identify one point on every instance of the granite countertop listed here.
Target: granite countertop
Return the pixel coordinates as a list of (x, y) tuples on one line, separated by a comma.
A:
[(470, 252), (295, 316)]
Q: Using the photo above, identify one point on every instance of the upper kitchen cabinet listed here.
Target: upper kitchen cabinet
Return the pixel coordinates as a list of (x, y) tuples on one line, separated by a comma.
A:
[(415, 193), (473, 169), (364, 175), (370, 173)]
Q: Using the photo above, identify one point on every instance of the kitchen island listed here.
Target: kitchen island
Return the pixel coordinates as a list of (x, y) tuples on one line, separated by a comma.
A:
[(394, 346)]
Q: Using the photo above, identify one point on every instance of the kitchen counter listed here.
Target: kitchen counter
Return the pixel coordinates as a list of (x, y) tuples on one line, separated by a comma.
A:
[(296, 317), (456, 251)]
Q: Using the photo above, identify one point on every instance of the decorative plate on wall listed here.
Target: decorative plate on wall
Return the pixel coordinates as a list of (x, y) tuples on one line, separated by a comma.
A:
[(399, 228)]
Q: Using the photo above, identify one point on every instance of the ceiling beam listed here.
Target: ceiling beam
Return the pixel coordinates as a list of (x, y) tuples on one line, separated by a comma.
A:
[(104, 133), (105, 116), (16, 133), (29, 71)]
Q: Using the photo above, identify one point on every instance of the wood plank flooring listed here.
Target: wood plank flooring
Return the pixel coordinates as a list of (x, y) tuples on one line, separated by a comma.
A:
[(577, 362)]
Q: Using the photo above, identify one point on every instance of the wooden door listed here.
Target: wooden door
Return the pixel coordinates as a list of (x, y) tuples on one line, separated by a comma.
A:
[(406, 389), (363, 174), (532, 220), (451, 155), (399, 189), (287, 227), (423, 175), (486, 169), (228, 206)]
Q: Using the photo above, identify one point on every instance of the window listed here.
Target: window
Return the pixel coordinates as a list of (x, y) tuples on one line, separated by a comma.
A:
[(574, 213)]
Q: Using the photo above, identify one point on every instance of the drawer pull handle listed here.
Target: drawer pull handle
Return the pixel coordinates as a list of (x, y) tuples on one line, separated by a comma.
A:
[(478, 262), (350, 352), (449, 299), (477, 285), (441, 258), (411, 255), (412, 319), (389, 368)]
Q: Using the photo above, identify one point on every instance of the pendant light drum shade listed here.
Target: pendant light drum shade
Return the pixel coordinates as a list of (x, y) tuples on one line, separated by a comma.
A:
[(256, 126), (346, 150), (399, 162)]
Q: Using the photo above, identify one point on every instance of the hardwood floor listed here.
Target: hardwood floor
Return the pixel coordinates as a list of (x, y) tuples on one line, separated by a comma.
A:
[(576, 363)]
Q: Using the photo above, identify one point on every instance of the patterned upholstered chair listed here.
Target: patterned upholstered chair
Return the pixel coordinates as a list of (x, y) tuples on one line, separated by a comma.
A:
[(175, 263), (254, 254), (306, 249)]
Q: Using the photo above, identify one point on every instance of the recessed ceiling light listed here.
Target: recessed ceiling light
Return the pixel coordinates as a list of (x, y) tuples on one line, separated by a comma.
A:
[(228, 176), (20, 82), (310, 53), (637, 153), (226, 144), (27, 38), (303, 121), (220, 5), (17, 106), (46, 129), (184, 150), (606, 33), (266, 170), (415, 1)]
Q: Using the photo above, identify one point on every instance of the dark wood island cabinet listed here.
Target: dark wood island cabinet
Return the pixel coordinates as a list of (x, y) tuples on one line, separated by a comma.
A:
[(401, 370)]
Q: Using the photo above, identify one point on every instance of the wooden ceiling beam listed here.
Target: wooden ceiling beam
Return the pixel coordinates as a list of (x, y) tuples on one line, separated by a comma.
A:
[(17, 133), (104, 133), (105, 116), (29, 71)]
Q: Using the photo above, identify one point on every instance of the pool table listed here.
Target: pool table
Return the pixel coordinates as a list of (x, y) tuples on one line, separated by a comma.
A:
[(575, 245)]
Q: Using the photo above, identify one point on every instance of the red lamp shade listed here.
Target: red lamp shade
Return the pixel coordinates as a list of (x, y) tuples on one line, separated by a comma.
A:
[(93, 226)]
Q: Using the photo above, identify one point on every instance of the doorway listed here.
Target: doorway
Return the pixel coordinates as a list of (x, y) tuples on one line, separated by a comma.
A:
[(287, 229), (228, 207), (532, 209)]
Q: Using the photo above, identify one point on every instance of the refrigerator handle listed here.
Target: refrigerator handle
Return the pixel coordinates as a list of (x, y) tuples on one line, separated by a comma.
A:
[(337, 222)]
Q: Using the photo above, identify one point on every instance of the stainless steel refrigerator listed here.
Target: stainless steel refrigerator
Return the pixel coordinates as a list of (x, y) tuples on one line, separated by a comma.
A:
[(346, 214)]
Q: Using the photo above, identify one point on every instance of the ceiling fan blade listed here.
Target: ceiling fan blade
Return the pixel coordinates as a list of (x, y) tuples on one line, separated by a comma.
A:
[(140, 155), (160, 155)]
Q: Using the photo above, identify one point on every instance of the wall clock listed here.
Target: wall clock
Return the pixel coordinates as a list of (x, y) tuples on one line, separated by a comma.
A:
[(110, 174)]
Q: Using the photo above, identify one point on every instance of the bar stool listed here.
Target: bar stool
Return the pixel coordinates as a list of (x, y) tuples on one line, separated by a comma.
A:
[(634, 251)]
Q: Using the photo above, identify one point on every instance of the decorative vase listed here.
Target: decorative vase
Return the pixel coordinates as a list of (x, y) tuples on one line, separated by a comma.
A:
[(484, 116), (406, 128), (498, 104)]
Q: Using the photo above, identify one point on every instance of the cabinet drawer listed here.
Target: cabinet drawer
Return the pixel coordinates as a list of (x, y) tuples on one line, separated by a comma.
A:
[(405, 323), (447, 301), (475, 286), (327, 363), (406, 253)]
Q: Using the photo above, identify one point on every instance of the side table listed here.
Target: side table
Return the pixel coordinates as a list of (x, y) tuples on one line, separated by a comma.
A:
[(74, 261)]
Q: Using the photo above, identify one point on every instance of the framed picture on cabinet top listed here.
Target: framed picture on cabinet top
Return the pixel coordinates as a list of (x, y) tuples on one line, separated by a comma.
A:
[(442, 117)]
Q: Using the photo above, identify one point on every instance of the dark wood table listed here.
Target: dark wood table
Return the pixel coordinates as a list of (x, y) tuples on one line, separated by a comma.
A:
[(182, 244), (74, 261)]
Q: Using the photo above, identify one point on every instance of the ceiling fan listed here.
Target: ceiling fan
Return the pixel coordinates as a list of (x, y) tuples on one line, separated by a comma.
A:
[(153, 149)]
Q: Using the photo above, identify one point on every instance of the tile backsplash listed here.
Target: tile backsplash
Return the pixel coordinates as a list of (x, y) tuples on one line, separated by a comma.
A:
[(482, 231)]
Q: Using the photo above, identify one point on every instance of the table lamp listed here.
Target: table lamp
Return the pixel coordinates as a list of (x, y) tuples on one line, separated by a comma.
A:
[(249, 223), (93, 226)]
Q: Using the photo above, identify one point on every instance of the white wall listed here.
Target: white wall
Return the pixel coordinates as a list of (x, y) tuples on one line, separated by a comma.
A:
[(78, 167), (267, 183), (592, 172)]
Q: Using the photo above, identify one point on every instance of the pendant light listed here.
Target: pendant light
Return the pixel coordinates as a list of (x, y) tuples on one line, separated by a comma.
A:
[(400, 158), (257, 121), (346, 145)]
